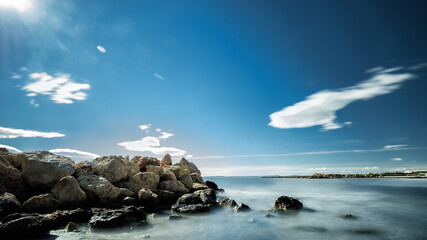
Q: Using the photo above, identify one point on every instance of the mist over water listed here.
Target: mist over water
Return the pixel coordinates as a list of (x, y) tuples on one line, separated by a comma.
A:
[(385, 209)]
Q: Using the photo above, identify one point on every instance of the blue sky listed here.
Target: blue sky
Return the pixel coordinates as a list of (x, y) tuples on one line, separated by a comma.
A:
[(238, 87)]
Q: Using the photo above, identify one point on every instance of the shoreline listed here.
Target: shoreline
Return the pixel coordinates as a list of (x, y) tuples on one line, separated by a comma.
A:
[(410, 174)]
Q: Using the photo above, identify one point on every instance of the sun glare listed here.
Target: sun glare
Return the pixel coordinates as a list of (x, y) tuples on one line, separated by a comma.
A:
[(19, 5)]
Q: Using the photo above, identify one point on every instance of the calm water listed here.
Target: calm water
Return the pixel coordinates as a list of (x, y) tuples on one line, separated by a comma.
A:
[(386, 209)]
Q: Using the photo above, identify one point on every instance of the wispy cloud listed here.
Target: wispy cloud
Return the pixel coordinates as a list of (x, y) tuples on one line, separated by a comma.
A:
[(73, 153), (158, 129), (10, 148), (33, 102), (60, 88), (166, 135), (418, 66), (144, 127), (158, 76), (15, 133), (101, 49), (395, 147), (319, 109), (397, 159)]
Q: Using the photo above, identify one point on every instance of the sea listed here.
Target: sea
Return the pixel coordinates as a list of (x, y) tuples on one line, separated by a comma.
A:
[(383, 209)]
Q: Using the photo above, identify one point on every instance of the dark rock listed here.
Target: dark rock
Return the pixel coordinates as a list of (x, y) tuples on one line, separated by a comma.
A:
[(174, 217), (166, 160), (68, 193), (226, 202), (173, 186), (284, 203), (11, 179), (117, 217), (187, 181), (149, 200), (268, 215), (71, 227), (43, 203), (144, 161), (311, 229), (349, 217), (3, 150), (84, 168), (191, 208), (8, 204), (129, 201), (167, 198), (212, 185), (242, 208), (199, 201)]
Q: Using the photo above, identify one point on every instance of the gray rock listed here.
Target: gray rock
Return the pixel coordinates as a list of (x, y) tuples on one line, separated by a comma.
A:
[(242, 208), (226, 202), (167, 198), (68, 192), (197, 178), (173, 186), (155, 169), (98, 188), (149, 200), (187, 181), (166, 160), (43, 203), (184, 163), (142, 162), (148, 180), (178, 171), (168, 175), (212, 185), (11, 179), (284, 203), (84, 168), (71, 227), (117, 217), (112, 168), (8, 204)]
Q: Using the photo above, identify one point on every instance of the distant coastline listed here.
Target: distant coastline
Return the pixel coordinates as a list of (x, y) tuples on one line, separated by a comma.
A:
[(407, 174)]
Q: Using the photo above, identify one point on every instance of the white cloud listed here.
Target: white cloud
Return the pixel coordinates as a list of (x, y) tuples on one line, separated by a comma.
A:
[(320, 108), (418, 66), (73, 153), (397, 159), (166, 135), (15, 133), (144, 127), (151, 144), (158, 76), (16, 76), (393, 147), (158, 129), (10, 148), (60, 88), (33, 102), (101, 49), (189, 156)]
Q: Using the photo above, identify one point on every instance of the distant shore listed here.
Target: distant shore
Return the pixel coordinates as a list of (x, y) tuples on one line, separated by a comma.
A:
[(408, 174)]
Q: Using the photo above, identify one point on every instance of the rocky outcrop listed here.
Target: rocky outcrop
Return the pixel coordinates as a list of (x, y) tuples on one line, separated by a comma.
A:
[(112, 168), (187, 181), (8, 204), (68, 192), (197, 178), (148, 180), (117, 217), (43, 203), (173, 186), (98, 188), (184, 163), (44, 169), (142, 162), (226, 202), (242, 208), (149, 200), (166, 160), (284, 203), (84, 168), (11, 179), (178, 171), (199, 201)]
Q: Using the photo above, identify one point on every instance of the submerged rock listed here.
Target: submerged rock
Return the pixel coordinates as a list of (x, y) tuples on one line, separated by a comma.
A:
[(68, 192), (349, 217), (174, 217), (117, 217), (43, 203), (284, 203), (112, 168), (226, 202), (242, 208)]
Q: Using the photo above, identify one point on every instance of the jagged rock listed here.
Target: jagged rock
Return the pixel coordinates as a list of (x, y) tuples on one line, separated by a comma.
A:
[(166, 160), (199, 201), (71, 227), (197, 178), (43, 203), (168, 175), (226, 202), (242, 208), (198, 186), (117, 217), (284, 203), (173, 186), (149, 200), (155, 169), (192, 208), (11, 180), (178, 171), (68, 192), (142, 162), (84, 168), (131, 168), (187, 181), (17, 160), (212, 185), (44, 169), (188, 165), (112, 168), (98, 188), (167, 198), (148, 180), (8, 204)]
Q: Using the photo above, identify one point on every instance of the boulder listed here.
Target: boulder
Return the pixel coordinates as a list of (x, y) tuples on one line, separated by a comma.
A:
[(212, 185), (112, 168), (43, 203), (44, 169), (187, 181), (8, 204), (167, 198), (192, 208), (155, 169), (98, 188), (11, 179), (129, 201), (173, 186), (242, 208), (197, 178), (117, 217), (188, 165), (68, 192), (166, 160), (198, 186), (124, 193), (149, 200), (142, 162), (284, 203), (226, 202), (148, 180), (199, 201), (3, 150), (84, 168), (71, 227), (167, 175), (17, 160), (131, 168), (178, 171)]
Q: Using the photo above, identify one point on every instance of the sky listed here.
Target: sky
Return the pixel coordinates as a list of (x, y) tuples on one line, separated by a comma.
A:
[(238, 87)]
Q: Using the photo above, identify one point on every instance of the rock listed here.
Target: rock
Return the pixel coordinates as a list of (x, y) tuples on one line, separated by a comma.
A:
[(149, 200), (84, 168), (284, 203), (198, 186), (192, 208), (44, 169), (197, 178), (131, 168), (212, 185), (178, 171), (68, 192), (349, 217), (168, 175), (155, 169), (187, 181), (8, 204), (167, 198), (148, 180), (174, 217), (166, 160), (199, 201), (11, 180), (142, 162), (241, 208), (117, 217), (129, 201), (4, 150), (43, 203), (112, 168), (226, 202), (17, 160), (97, 187), (71, 227), (268, 215), (188, 165), (124, 193), (173, 186)]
